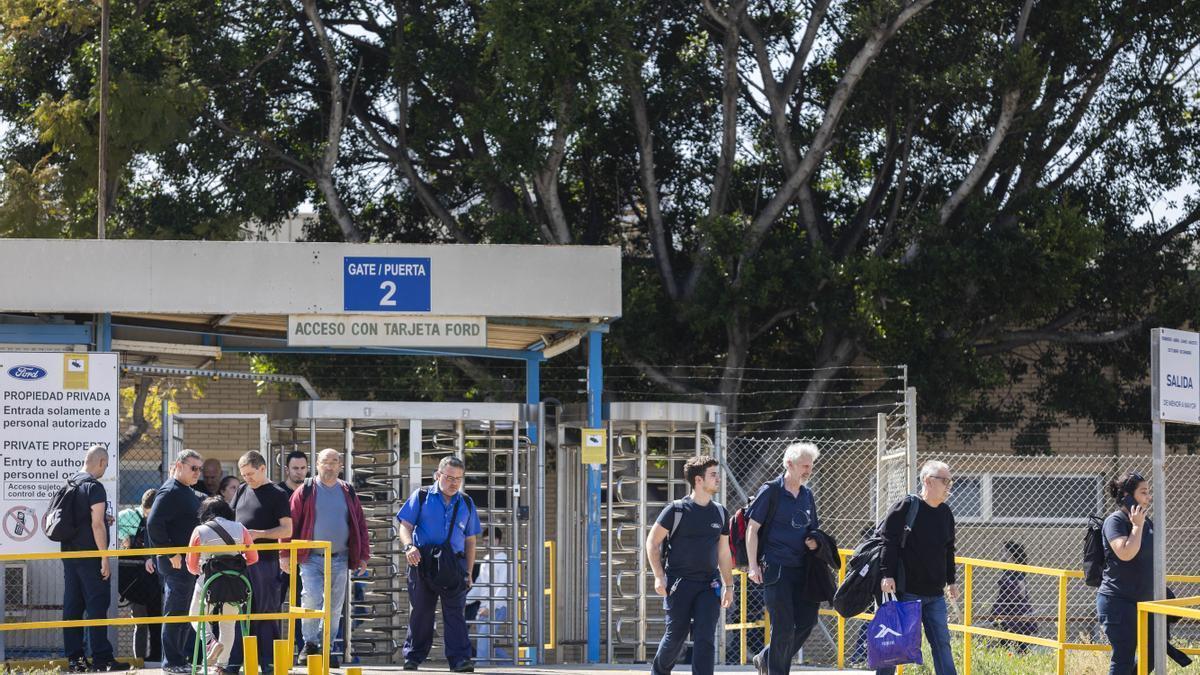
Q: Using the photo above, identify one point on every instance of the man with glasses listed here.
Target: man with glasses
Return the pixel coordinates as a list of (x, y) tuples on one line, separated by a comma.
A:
[(439, 523), (170, 523), (923, 569), (779, 547)]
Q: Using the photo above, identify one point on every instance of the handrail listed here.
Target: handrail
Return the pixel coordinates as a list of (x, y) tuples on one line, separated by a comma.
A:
[(318, 665), (1180, 607), (551, 592)]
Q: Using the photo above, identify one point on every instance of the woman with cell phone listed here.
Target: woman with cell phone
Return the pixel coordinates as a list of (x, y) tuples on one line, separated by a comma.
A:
[(1128, 539)]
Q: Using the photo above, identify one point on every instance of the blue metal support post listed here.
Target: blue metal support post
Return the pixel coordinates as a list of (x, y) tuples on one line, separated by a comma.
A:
[(595, 389), (533, 396)]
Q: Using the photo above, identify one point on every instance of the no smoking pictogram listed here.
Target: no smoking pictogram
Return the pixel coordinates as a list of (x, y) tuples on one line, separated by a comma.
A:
[(20, 523)]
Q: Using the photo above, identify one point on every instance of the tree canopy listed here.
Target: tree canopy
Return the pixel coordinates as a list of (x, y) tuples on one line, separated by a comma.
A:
[(985, 190)]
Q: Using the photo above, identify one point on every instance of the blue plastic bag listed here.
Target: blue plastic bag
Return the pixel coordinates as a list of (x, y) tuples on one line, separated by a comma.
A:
[(894, 635)]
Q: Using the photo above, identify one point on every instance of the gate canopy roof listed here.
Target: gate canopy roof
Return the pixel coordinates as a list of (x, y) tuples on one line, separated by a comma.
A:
[(530, 297)]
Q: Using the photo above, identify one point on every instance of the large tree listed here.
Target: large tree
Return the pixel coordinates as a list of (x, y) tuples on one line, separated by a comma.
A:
[(985, 190)]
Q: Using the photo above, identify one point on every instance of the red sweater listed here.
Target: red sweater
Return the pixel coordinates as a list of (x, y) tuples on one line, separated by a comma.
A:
[(304, 517)]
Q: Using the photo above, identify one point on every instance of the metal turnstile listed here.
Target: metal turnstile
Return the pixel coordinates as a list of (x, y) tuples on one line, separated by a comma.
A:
[(648, 444), (392, 448)]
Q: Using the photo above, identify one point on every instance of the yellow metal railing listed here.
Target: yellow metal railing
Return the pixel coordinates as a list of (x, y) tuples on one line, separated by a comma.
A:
[(969, 631), (1179, 607), (318, 664), (551, 592)]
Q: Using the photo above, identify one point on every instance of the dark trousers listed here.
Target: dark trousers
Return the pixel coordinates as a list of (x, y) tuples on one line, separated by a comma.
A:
[(265, 599), (792, 617), (284, 581), (84, 591), (178, 639), (691, 606), (423, 600)]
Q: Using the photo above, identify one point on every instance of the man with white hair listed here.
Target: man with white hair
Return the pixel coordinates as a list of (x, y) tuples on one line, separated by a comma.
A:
[(923, 569), (779, 547), (328, 509)]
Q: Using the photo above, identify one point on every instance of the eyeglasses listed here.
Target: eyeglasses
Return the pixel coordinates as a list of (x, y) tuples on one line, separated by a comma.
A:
[(194, 468), (948, 482)]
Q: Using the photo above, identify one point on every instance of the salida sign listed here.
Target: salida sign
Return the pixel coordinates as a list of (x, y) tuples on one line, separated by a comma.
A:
[(1178, 372)]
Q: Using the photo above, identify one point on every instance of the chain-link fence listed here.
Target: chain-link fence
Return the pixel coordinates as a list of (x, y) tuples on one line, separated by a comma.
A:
[(1034, 510), (867, 453), (1029, 509)]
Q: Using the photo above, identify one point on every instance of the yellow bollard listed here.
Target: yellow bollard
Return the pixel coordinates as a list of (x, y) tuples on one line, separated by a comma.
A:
[(283, 657), (354, 671), (316, 664), (250, 654)]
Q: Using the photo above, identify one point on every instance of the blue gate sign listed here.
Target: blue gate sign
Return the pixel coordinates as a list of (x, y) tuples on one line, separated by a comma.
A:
[(386, 284)]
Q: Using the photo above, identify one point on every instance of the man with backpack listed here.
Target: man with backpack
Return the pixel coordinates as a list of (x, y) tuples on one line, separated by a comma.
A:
[(781, 539), (328, 509), (438, 526), (697, 580), (922, 567), (83, 526)]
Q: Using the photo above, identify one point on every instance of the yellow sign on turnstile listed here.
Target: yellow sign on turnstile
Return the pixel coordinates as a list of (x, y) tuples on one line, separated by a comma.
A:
[(595, 446)]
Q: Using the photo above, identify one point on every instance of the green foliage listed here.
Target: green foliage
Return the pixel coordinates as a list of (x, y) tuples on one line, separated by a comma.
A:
[(522, 123)]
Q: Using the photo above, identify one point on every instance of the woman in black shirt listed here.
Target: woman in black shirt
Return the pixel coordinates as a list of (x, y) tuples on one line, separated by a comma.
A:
[(1128, 538)]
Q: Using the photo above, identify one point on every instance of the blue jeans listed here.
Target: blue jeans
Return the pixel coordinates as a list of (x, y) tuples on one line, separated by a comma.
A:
[(312, 572), (84, 591), (937, 632), (177, 638), (792, 617), (483, 646), (692, 606)]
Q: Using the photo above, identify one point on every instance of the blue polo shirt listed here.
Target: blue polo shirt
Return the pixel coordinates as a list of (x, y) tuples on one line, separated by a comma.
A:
[(795, 519), (433, 527)]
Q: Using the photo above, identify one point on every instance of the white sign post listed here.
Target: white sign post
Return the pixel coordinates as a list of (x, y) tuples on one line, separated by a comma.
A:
[(1174, 397), (53, 406)]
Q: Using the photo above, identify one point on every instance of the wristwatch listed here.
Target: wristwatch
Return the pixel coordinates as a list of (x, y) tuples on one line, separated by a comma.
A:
[(408, 547)]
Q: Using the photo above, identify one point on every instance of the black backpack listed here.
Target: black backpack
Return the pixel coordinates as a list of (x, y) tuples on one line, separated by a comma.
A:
[(1093, 551), (225, 574), (859, 588), (60, 523)]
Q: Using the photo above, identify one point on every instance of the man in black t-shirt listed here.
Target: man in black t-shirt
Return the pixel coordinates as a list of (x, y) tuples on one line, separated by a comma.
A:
[(925, 564), (698, 579), (263, 508), (86, 581)]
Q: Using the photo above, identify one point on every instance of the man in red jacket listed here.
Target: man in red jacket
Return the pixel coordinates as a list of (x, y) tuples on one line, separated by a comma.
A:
[(326, 508)]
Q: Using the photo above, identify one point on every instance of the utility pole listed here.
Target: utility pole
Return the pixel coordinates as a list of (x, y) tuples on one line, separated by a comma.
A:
[(102, 183)]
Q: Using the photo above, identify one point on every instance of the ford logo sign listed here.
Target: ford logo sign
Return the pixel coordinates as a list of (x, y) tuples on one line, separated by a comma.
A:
[(26, 373)]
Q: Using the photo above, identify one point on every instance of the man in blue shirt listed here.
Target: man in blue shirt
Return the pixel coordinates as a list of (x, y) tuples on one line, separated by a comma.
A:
[(781, 562), (439, 524)]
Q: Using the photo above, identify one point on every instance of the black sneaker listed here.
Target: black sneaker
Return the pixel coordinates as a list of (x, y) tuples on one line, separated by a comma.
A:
[(467, 666), (111, 667), (79, 665), (310, 649), (411, 665)]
